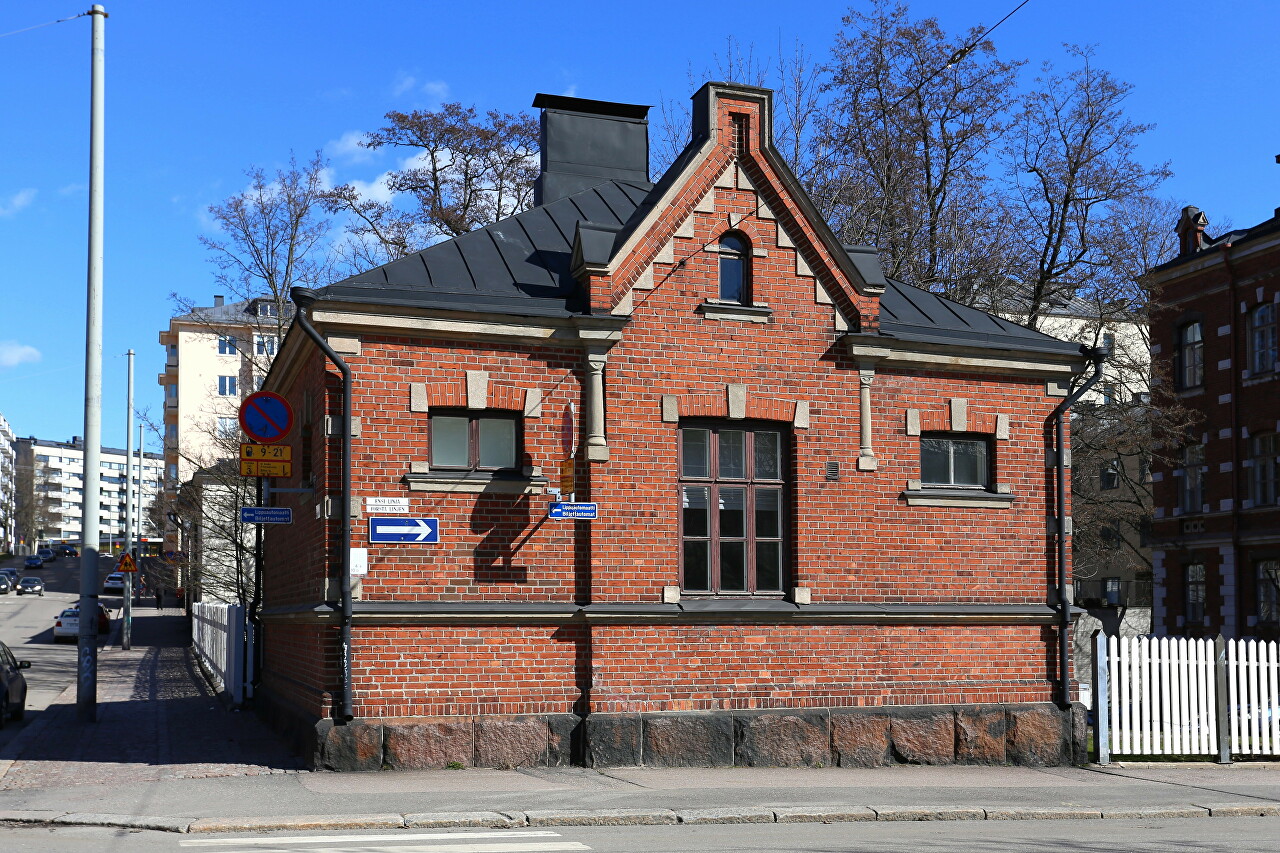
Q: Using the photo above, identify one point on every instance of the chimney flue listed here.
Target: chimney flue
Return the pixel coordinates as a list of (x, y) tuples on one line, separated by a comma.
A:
[(585, 143), (217, 302)]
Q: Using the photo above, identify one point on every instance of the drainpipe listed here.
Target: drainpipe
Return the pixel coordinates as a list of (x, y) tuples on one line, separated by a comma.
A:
[(304, 298), (1097, 355), (1238, 334)]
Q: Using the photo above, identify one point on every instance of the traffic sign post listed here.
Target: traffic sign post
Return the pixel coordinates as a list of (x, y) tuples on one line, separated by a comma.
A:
[(400, 529), (126, 563), (575, 510), (266, 515), (266, 417), (265, 468)]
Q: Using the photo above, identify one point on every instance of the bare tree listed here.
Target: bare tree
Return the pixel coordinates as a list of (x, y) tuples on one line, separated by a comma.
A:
[(36, 512), (903, 159), (273, 237), (464, 171), (1071, 168)]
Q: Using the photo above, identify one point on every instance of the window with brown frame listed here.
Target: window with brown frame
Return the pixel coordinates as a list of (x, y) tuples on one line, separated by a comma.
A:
[(733, 499), (475, 441)]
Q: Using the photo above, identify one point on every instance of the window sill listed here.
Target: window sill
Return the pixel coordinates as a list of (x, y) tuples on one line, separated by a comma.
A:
[(1191, 392), (718, 309), (1257, 379), (470, 482), (977, 498)]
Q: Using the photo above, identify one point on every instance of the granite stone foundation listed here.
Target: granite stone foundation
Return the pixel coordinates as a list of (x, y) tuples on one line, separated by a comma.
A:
[(1039, 735)]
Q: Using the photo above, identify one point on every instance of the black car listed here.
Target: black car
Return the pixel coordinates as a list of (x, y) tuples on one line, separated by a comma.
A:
[(31, 586), (6, 586), (13, 686), (65, 551)]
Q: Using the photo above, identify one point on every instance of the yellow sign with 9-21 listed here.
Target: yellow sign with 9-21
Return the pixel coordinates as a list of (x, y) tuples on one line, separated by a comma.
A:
[(265, 460)]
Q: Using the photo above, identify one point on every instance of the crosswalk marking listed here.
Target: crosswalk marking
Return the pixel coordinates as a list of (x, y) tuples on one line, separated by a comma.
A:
[(443, 842), (400, 836)]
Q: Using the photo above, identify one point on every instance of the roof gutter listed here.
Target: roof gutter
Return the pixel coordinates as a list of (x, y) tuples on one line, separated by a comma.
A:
[(304, 298), (1097, 355)]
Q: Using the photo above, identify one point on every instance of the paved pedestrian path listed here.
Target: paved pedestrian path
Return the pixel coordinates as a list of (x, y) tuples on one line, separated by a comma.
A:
[(157, 719)]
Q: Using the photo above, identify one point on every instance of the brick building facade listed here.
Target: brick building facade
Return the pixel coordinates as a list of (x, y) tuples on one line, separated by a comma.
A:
[(822, 495), (1217, 521)]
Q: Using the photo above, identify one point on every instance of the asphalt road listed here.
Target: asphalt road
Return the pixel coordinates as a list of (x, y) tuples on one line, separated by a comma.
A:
[(26, 626), (1204, 835)]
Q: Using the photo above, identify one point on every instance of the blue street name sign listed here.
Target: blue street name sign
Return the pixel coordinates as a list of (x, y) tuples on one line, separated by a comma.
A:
[(567, 510), (266, 515), (398, 528)]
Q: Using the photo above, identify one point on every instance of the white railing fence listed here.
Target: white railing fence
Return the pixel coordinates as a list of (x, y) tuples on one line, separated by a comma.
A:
[(1180, 696), (222, 639)]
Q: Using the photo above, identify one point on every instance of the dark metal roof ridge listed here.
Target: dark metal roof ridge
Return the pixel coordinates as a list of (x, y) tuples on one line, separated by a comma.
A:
[(588, 106), (1234, 239)]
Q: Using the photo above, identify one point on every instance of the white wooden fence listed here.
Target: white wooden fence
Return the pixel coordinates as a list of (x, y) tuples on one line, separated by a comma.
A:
[(219, 633), (1180, 696)]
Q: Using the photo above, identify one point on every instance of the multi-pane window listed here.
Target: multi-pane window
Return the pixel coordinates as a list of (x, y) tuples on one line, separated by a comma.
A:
[(488, 441), (1192, 486), (732, 509), (267, 308), (227, 427), (734, 254), (264, 345), (171, 392), (1262, 338), (227, 386), (226, 344), (1110, 477), (1264, 453), (1190, 356), (948, 461), (1268, 591), (1194, 598), (1111, 589)]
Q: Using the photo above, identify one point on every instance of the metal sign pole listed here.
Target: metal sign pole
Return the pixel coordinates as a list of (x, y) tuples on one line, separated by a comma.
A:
[(125, 635)]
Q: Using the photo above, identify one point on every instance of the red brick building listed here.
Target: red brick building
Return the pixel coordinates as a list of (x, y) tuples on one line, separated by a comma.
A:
[(822, 495), (1217, 520)]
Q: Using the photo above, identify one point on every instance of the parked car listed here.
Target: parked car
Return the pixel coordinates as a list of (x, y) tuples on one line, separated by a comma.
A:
[(67, 623), (66, 551), (31, 586), (47, 555), (11, 574), (13, 686), (114, 582), (33, 562), (6, 585)]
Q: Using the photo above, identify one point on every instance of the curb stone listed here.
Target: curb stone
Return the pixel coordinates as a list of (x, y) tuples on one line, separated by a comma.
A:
[(601, 817), (824, 814), (162, 824), (298, 822), (445, 820), (885, 813), (1043, 813), (1154, 812), (730, 815), (1243, 809)]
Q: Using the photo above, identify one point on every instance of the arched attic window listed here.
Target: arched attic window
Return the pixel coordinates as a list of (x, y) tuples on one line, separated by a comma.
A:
[(735, 269)]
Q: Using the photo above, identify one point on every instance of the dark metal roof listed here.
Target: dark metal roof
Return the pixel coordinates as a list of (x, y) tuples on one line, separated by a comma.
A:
[(517, 266), (911, 314), (1231, 238)]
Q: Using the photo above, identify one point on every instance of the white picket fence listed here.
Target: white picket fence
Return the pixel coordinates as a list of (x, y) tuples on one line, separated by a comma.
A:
[(1180, 696), (218, 635)]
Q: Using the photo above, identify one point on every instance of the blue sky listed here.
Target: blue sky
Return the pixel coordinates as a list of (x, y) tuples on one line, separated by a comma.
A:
[(198, 92)]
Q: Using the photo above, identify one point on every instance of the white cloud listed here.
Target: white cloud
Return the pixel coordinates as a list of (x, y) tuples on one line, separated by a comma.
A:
[(73, 189), (348, 147), (404, 83), (16, 202), (571, 92), (375, 190), (437, 90), (13, 353)]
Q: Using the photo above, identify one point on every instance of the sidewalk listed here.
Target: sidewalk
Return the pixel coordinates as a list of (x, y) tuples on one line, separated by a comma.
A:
[(165, 754)]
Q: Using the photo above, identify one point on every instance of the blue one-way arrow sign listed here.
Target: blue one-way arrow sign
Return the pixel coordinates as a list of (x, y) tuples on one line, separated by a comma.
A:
[(266, 515), (401, 529)]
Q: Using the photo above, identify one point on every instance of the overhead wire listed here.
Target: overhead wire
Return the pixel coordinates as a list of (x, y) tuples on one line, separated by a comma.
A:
[(960, 54), (46, 24)]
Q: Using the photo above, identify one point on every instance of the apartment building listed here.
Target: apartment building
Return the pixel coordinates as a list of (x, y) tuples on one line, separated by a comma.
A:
[(214, 356), (8, 488), (54, 492)]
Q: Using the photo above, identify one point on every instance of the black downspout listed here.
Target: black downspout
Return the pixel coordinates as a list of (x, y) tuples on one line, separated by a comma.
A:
[(1097, 355), (304, 298)]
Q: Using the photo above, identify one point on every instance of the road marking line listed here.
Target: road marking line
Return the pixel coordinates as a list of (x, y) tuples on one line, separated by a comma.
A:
[(500, 847), (420, 836)]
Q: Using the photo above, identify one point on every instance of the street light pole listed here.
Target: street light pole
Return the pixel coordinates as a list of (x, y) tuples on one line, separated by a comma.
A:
[(126, 635), (87, 667)]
